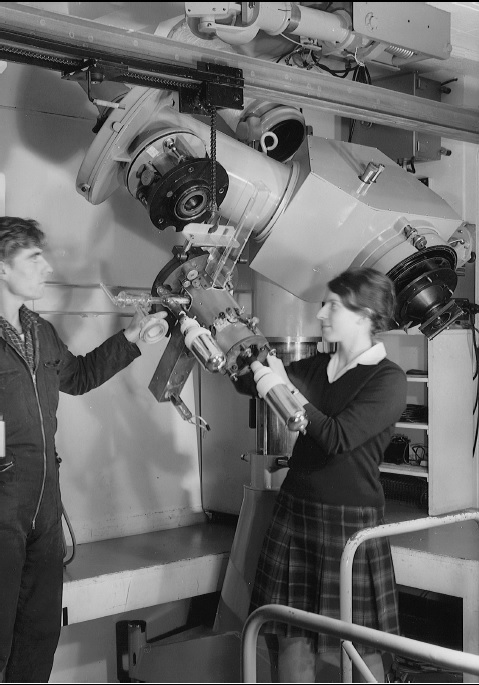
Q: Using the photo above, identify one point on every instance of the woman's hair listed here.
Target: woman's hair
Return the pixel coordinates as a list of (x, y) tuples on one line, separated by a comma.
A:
[(16, 234), (367, 291)]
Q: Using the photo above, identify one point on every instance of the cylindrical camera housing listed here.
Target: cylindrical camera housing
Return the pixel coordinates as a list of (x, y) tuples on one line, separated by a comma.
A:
[(287, 407), (279, 398)]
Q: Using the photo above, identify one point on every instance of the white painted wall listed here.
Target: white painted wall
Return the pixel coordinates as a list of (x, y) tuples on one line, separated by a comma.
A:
[(130, 464)]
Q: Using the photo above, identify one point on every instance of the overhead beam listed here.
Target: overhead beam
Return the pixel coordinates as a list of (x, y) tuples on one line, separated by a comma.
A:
[(79, 38)]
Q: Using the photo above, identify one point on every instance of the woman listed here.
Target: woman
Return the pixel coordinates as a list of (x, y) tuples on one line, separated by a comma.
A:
[(353, 398)]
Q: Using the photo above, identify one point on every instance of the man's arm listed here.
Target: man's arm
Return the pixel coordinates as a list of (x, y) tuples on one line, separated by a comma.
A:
[(81, 373)]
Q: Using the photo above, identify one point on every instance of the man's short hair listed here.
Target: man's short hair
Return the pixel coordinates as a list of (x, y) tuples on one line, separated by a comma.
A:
[(16, 234)]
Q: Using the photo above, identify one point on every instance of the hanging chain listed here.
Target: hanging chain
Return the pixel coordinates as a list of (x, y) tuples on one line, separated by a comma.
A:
[(213, 205)]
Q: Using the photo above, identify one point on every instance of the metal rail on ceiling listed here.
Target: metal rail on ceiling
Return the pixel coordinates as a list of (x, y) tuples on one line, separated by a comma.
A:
[(52, 35)]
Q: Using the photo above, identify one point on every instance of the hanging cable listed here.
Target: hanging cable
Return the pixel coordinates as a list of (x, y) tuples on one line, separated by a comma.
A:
[(342, 73), (361, 75), (72, 535), (199, 421), (472, 310)]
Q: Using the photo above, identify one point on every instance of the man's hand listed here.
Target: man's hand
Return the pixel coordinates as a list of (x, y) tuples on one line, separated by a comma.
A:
[(133, 330), (150, 328)]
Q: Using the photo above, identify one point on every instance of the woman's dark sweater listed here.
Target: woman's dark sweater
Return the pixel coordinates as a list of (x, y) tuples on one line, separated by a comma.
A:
[(350, 425)]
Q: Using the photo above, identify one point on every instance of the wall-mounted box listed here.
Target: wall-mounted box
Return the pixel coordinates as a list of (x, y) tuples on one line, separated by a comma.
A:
[(405, 28), (396, 143)]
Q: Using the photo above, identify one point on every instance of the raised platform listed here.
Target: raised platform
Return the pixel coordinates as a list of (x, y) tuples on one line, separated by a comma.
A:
[(443, 560), (113, 576)]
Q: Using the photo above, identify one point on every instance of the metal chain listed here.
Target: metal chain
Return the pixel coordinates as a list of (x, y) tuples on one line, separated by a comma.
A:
[(169, 83), (66, 62), (33, 54), (213, 205)]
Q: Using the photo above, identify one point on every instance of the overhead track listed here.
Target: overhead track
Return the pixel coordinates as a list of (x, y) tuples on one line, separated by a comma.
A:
[(57, 41)]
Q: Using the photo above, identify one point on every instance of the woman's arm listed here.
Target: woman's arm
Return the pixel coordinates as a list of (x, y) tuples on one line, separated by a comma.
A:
[(372, 408)]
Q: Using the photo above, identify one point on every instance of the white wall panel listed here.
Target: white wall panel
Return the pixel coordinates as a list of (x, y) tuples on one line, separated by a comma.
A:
[(130, 464)]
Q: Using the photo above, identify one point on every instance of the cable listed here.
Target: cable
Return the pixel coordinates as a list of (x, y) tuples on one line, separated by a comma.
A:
[(420, 454), (472, 309), (334, 72), (361, 75), (451, 80), (290, 40), (199, 421), (475, 374), (287, 54), (72, 535), (475, 343)]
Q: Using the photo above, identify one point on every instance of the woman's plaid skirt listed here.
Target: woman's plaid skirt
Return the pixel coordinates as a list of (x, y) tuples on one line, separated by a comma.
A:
[(299, 567)]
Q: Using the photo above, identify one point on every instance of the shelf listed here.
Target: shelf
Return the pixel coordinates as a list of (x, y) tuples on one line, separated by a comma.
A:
[(412, 425), (404, 469), (443, 367)]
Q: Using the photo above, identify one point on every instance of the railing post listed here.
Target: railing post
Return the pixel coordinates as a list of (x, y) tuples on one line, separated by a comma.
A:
[(385, 530), (350, 632)]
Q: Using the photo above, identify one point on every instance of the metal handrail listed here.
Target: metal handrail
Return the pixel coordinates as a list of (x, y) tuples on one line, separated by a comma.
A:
[(345, 629), (347, 558), (414, 649)]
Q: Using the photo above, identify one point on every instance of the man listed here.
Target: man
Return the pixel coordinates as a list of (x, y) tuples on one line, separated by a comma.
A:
[(35, 365)]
